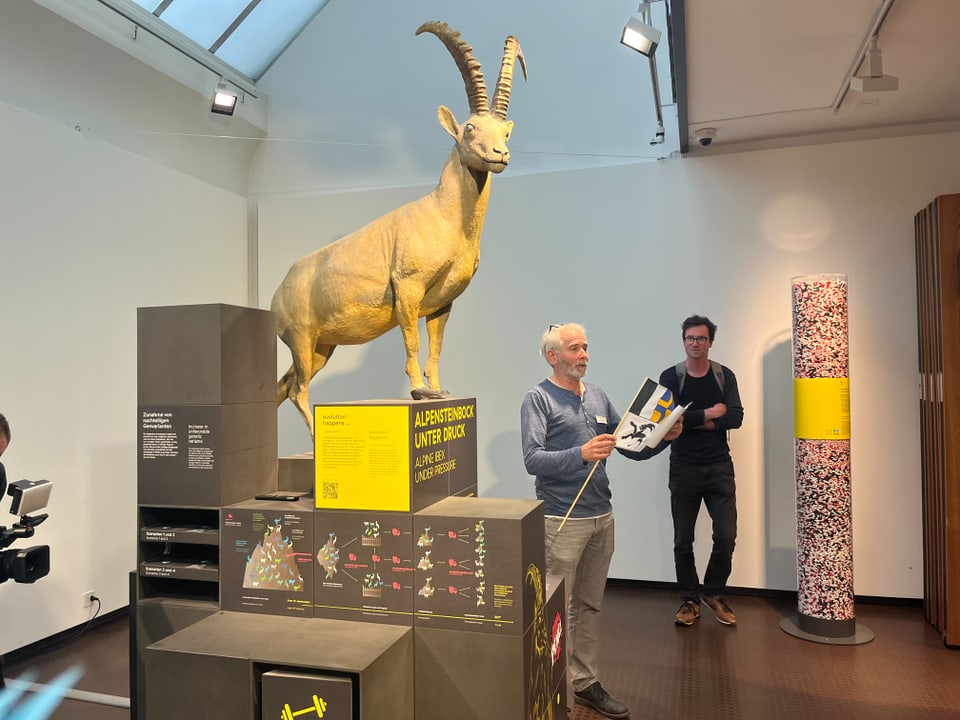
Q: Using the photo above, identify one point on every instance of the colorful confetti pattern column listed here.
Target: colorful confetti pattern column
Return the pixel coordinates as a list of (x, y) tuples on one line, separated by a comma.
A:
[(821, 393)]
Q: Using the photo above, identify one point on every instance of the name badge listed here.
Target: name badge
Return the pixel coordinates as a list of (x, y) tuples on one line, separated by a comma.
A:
[(601, 419)]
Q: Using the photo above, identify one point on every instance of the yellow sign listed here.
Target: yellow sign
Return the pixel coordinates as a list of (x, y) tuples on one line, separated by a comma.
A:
[(362, 457), (821, 408)]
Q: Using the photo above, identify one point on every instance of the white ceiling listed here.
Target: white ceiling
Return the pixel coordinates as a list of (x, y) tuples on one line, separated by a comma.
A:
[(764, 73), (767, 73)]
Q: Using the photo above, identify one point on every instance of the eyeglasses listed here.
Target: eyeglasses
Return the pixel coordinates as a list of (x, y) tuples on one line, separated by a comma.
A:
[(551, 328), (696, 339)]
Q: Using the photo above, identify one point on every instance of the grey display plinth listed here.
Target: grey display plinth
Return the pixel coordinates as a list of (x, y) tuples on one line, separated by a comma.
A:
[(156, 620), (857, 635), (267, 557), (206, 437), (206, 455), (476, 676), (475, 558), (205, 355), (217, 664), (296, 473)]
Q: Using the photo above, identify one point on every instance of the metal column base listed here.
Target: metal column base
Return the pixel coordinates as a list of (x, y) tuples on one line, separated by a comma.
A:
[(861, 633)]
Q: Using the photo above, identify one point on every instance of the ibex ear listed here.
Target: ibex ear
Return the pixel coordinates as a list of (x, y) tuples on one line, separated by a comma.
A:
[(448, 122)]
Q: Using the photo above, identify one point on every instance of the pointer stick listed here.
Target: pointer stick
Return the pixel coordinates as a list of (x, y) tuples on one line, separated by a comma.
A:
[(584, 486), (577, 498)]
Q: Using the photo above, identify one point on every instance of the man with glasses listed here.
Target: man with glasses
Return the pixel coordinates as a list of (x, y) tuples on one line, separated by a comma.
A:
[(566, 428), (701, 470)]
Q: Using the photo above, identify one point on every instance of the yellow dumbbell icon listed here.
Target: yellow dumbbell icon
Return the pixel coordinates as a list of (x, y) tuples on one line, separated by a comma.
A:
[(319, 704)]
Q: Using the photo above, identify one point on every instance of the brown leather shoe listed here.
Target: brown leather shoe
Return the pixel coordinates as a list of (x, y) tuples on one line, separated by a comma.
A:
[(720, 609), (688, 613)]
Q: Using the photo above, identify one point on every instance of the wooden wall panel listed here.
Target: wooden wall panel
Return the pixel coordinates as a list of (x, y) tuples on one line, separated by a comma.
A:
[(937, 238)]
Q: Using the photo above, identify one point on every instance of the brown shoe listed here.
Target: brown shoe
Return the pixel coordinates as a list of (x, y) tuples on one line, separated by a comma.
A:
[(720, 609), (688, 613)]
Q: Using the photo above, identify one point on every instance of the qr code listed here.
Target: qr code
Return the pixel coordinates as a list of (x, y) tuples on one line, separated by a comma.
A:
[(330, 490)]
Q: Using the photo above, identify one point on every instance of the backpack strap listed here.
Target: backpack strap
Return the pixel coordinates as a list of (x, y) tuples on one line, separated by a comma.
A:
[(717, 373), (681, 370)]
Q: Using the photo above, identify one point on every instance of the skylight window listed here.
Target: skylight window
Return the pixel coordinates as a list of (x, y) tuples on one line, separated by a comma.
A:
[(248, 35)]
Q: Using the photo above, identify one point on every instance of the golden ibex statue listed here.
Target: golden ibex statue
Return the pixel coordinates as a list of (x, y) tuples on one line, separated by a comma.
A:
[(414, 261)]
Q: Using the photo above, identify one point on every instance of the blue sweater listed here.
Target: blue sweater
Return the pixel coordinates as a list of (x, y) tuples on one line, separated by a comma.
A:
[(554, 423)]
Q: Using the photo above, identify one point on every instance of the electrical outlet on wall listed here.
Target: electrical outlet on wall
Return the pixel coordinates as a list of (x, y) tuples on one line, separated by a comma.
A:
[(88, 598)]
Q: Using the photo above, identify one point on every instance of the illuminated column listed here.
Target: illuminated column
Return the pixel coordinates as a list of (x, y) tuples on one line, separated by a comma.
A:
[(821, 398)]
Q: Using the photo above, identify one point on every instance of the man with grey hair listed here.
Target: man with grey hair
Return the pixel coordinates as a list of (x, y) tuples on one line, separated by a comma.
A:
[(566, 428)]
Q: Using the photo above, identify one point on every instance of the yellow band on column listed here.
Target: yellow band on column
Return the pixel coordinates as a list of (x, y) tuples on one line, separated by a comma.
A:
[(821, 408)]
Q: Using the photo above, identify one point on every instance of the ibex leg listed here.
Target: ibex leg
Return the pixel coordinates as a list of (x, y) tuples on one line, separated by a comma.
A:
[(308, 360), (407, 311), (436, 323), (285, 384)]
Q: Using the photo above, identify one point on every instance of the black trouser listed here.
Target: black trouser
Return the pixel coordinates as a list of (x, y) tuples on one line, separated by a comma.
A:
[(715, 486)]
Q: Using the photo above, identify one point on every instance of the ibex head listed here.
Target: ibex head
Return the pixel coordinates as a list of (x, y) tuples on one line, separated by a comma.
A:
[(482, 139)]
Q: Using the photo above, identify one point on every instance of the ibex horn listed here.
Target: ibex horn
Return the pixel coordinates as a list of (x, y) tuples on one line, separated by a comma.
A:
[(501, 97), (469, 66)]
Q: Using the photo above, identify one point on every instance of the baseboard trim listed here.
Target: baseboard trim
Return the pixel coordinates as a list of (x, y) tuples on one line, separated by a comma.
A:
[(48, 643), (767, 593)]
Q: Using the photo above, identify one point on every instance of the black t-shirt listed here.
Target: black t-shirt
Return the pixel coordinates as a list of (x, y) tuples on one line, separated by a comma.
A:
[(699, 446)]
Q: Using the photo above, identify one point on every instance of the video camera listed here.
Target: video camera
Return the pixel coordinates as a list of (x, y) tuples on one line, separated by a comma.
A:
[(29, 564)]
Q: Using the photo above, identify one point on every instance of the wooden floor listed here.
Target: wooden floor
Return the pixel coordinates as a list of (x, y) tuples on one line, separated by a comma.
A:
[(753, 671), (104, 655), (756, 671)]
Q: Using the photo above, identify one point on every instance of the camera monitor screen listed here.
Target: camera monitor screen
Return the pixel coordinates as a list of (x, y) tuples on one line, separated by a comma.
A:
[(29, 496)]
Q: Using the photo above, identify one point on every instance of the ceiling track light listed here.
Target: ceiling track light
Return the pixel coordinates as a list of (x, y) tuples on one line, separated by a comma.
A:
[(638, 34), (873, 31), (874, 80), (224, 99)]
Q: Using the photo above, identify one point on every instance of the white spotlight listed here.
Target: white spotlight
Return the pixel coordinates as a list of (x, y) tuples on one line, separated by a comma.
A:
[(639, 36), (224, 100), (874, 80)]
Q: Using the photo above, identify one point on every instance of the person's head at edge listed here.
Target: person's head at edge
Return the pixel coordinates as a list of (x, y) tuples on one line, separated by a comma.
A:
[(4, 433), (564, 347)]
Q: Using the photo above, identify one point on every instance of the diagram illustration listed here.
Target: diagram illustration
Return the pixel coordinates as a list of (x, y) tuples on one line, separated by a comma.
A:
[(272, 564), (481, 551), (425, 562), (371, 534), (427, 590), (329, 556), (425, 539), (372, 585), (458, 572), (368, 565)]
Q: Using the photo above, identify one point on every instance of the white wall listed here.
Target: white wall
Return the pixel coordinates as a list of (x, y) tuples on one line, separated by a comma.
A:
[(631, 251), (88, 233)]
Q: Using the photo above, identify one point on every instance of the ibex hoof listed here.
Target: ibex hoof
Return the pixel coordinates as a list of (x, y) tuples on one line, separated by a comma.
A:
[(428, 394)]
